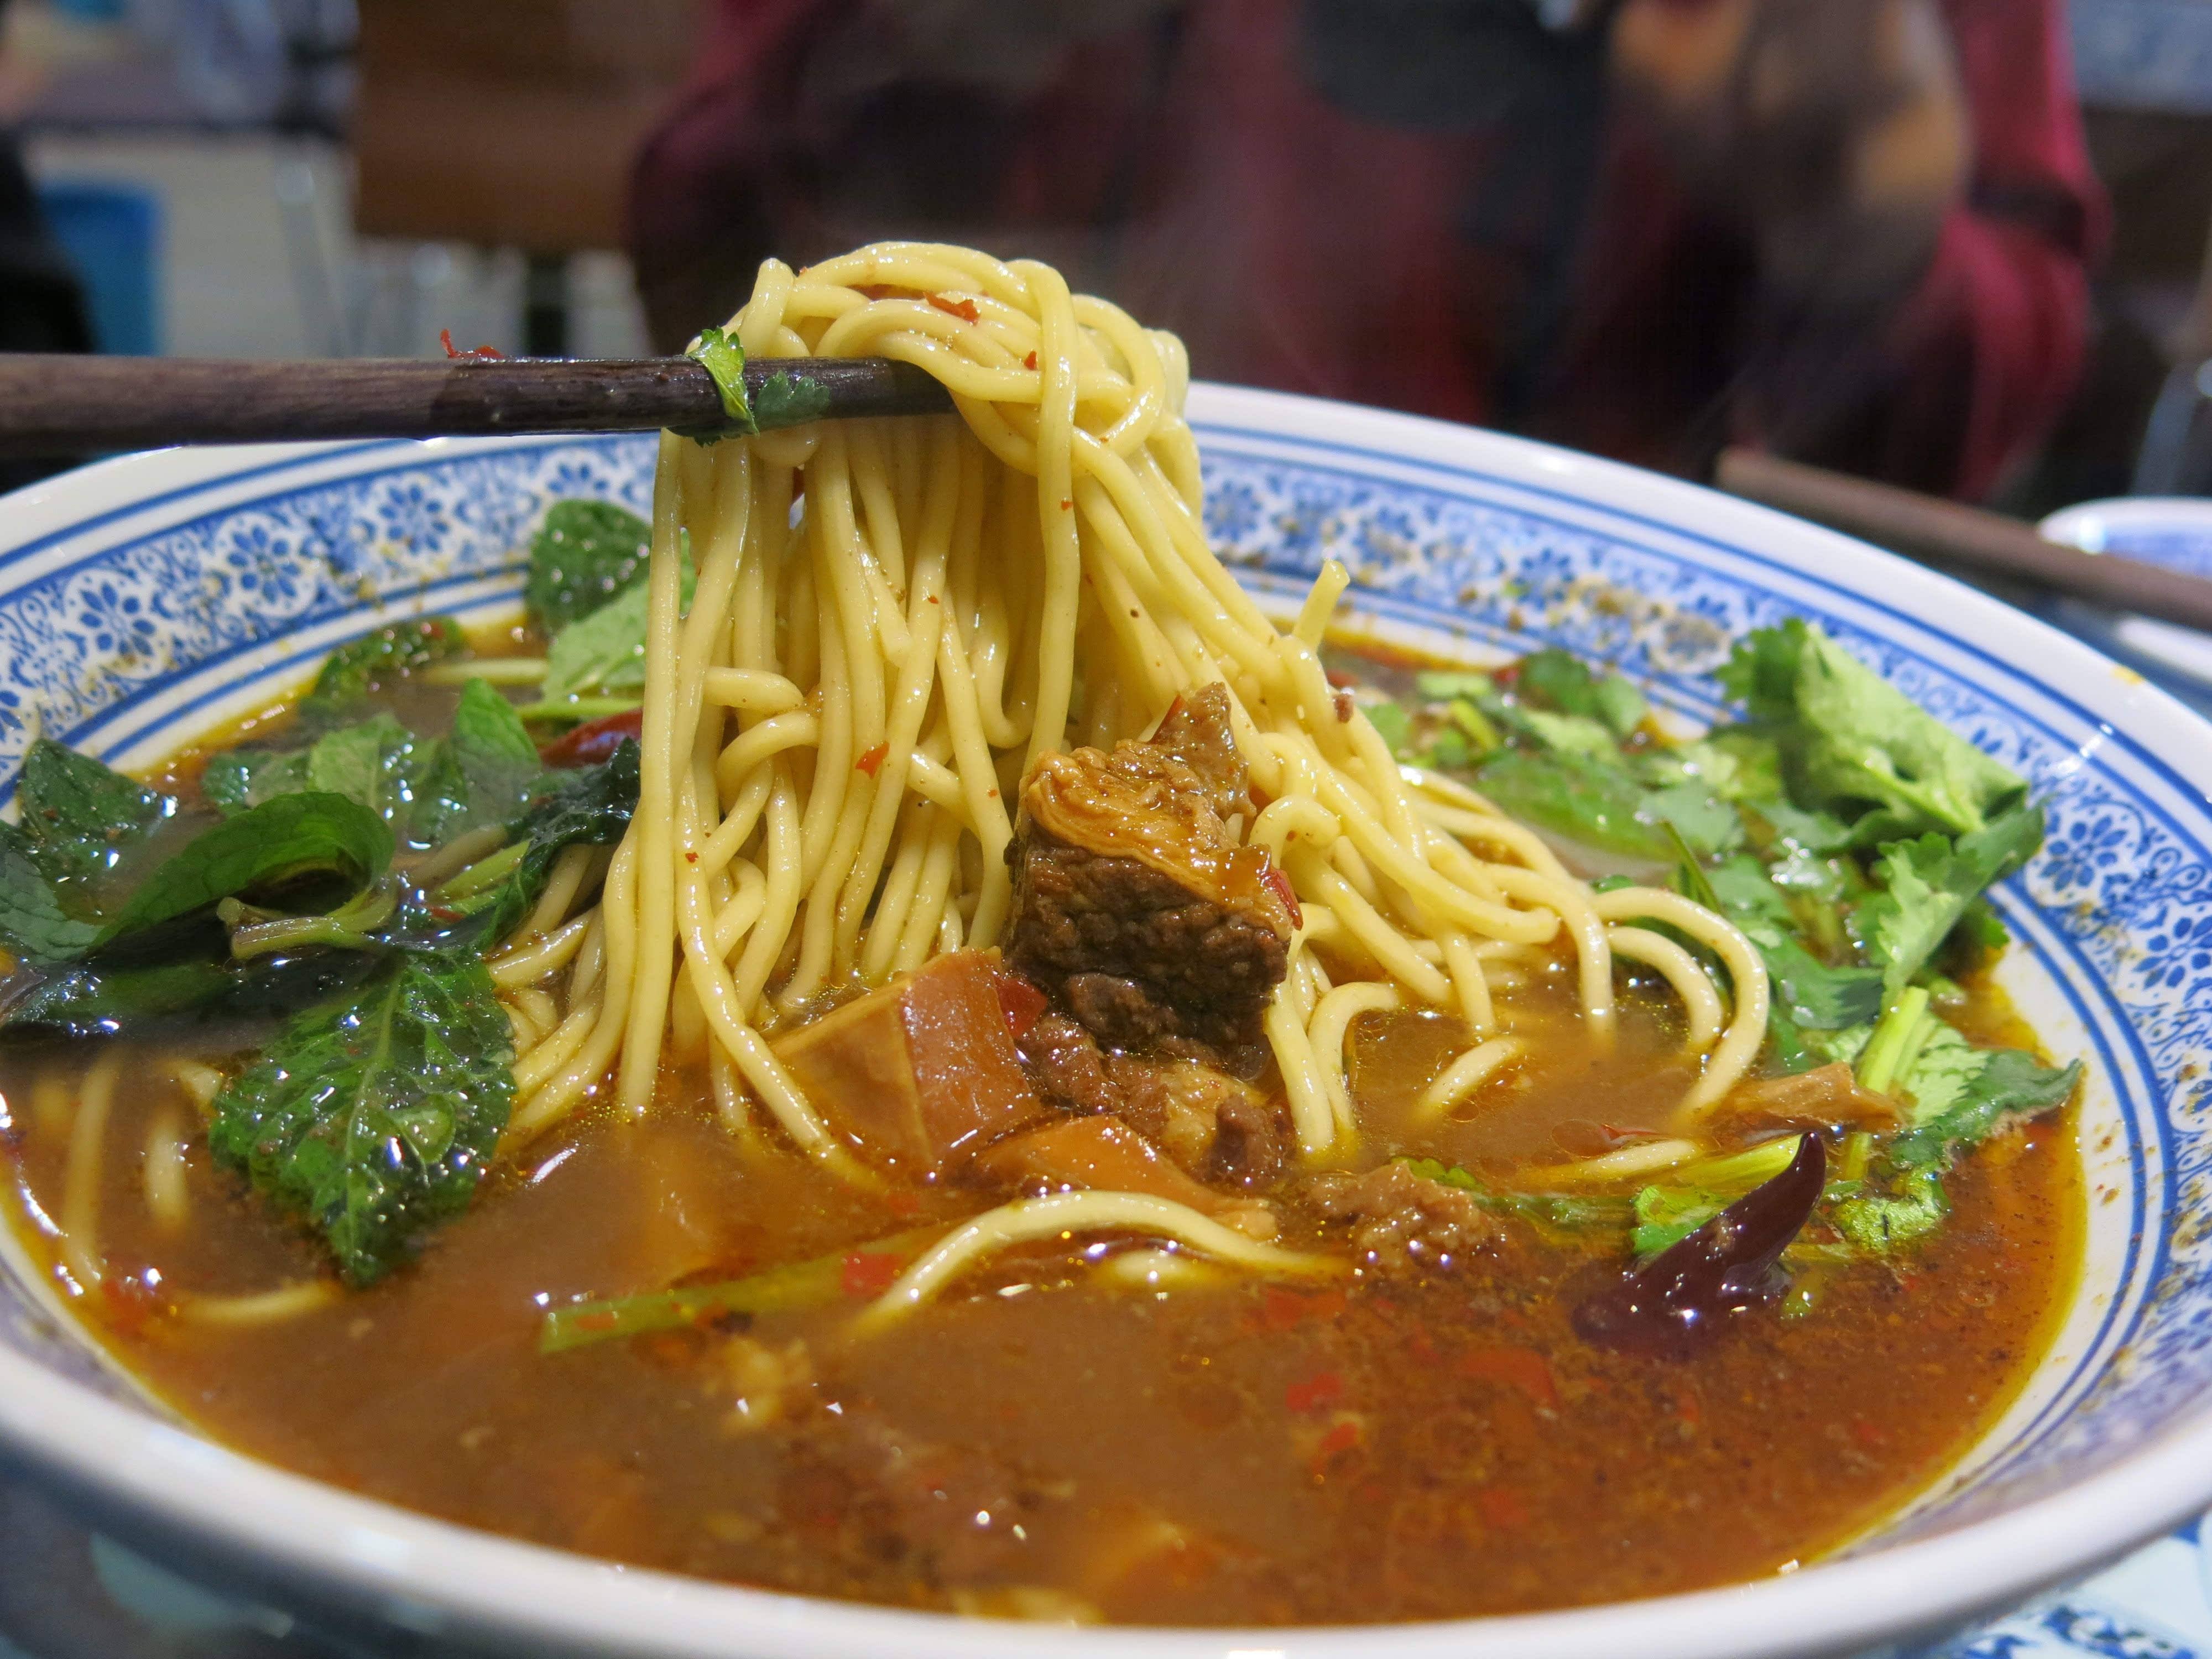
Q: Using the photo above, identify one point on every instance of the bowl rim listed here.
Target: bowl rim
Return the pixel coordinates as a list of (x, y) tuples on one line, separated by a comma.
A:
[(432, 1574)]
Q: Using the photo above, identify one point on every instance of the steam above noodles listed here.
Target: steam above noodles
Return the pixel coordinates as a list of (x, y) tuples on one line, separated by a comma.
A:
[(892, 623)]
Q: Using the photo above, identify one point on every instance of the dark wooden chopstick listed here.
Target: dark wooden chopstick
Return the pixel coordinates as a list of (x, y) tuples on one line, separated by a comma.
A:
[(54, 405), (1944, 532)]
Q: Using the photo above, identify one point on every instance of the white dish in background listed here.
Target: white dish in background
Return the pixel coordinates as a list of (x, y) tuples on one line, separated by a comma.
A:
[(2173, 530), (148, 599)]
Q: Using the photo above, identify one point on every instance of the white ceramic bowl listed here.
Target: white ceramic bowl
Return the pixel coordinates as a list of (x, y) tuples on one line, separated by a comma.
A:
[(147, 599)]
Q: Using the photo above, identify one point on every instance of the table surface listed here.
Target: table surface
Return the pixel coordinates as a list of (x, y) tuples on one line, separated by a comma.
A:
[(67, 1594)]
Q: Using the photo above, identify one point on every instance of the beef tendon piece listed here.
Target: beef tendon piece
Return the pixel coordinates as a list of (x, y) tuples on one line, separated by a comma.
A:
[(1219, 1128), (1135, 906), (1101, 1154), (921, 1074)]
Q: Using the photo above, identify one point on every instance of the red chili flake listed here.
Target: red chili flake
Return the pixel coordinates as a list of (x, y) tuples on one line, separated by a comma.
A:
[(481, 354), (963, 309), (902, 1203), (1317, 1393), (929, 598), (594, 741), (1502, 1508), (1021, 1002), (1686, 1406), (873, 760), (870, 1273), (1341, 1438), (1066, 505), (1517, 1368), (1280, 885), (875, 290), (1507, 675), (1337, 677), (446, 912), (596, 1321), (1029, 362), (1866, 1434), (690, 858), (1421, 1348)]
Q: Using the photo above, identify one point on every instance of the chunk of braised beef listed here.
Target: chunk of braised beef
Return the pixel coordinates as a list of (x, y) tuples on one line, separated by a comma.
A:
[(1066, 1068), (1136, 907), (1219, 1128), (1400, 1219)]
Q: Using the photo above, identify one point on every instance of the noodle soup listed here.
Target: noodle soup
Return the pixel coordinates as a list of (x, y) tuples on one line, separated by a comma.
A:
[(903, 1043)]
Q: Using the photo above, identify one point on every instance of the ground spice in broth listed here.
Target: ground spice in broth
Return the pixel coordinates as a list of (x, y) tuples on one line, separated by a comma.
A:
[(1083, 1429), (1053, 1442)]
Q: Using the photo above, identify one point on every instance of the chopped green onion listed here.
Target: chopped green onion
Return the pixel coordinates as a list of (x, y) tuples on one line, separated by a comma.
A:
[(1884, 1050), (499, 671), (788, 1289), (578, 708)]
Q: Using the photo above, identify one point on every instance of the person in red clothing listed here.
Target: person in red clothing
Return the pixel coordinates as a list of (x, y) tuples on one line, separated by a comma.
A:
[(1853, 231)]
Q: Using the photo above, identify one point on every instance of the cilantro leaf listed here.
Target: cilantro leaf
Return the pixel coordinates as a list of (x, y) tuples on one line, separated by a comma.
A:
[(583, 555), (374, 1122), (1978, 1091), (1391, 724), (1879, 1224), (1562, 681), (1857, 745), (1927, 885)]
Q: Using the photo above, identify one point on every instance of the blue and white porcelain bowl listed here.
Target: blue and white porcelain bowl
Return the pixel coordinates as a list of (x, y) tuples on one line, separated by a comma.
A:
[(2173, 530), (148, 599)]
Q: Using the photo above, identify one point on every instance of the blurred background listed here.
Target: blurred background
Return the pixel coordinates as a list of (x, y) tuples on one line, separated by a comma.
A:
[(1960, 244)]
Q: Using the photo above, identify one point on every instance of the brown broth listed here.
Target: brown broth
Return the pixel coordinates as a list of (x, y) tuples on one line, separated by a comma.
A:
[(1232, 1453)]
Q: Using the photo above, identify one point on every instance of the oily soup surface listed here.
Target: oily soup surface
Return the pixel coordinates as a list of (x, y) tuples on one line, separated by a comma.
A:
[(1225, 1452)]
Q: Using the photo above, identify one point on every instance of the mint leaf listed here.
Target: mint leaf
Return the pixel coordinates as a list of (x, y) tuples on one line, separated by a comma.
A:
[(584, 555), (239, 778), (481, 774), (604, 653), (279, 841), (77, 815), (583, 807), (374, 1122), (353, 669), (32, 921), (368, 763), (141, 1002)]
